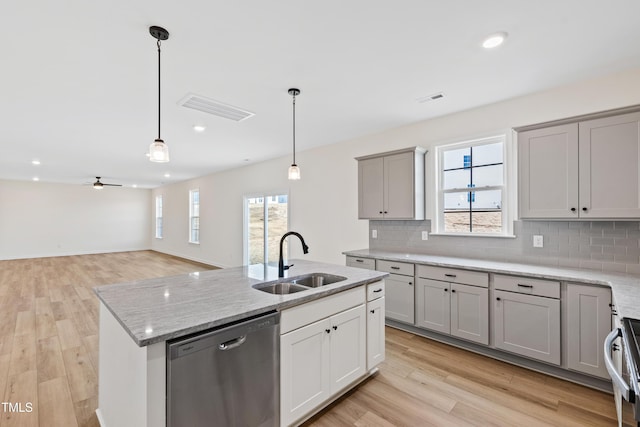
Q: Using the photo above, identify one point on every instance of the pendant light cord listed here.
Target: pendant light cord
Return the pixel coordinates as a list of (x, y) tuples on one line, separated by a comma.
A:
[(159, 89), (294, 129)]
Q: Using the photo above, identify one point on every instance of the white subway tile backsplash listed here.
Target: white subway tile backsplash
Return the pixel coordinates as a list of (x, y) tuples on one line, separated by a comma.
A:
[(599, 245)]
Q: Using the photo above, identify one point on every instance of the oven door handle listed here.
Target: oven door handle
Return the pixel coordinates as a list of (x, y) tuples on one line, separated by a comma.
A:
[(617, 379)]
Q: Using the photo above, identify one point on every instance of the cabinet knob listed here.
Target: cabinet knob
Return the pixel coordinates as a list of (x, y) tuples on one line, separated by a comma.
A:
[(410, 283), (386, 212), (573, 209), (380, 212), (328, 331), (372, 311), (446, 290), (453, 290), (335, 328), (498, 299), (584, 209)]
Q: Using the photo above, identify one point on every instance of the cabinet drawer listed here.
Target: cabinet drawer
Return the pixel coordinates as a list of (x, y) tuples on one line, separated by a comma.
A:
[(375, 290), (526, 285), (367, 263), (395, 267), (475, 278)]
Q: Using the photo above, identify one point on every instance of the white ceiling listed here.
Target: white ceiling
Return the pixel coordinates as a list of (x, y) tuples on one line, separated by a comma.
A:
[(78, 79)]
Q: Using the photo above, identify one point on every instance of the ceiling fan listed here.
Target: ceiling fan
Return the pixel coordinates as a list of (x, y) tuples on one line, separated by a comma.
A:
[(99, 185)]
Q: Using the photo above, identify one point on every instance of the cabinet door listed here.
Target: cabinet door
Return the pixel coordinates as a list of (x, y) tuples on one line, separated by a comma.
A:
[(609, 167), (470, 313), (433, 305), (588, 323), (548, 172), (527, 325), (399, 189), (370, 188), (304, 370), (400, 298), (348, 347), (375, 333)]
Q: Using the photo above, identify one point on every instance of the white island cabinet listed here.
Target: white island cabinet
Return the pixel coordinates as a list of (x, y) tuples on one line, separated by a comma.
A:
[(323, 350)]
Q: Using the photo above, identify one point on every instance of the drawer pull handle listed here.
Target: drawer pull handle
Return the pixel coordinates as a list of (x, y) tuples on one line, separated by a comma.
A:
[(378, 290), (359, 260), (393, 267), (450, 275), (614, 313), (525, 286)]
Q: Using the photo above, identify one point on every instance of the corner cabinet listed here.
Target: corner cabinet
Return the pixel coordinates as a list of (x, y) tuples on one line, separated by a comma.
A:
[(588, 169), (391, 185)]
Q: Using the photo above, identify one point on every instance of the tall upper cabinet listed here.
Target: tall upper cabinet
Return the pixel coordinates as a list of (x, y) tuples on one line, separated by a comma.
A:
[(586, 169), (391, 185)]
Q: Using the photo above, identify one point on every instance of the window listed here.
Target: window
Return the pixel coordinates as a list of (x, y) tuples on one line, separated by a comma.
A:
[(194, 216), (266, 220), (158, 217), (471, 187)]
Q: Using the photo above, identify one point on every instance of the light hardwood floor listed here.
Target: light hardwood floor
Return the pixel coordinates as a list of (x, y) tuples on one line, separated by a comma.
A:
[(49, 357)]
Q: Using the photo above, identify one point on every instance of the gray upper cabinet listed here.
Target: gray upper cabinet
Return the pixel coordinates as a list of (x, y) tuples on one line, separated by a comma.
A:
[(391, 185), (588, 169)]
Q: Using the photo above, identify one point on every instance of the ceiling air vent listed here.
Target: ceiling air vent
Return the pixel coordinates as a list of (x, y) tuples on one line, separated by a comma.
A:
[(216, 108), (429, 98)]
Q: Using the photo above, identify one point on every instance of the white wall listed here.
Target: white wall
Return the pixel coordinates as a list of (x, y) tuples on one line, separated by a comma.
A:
[(39, 219), (323, 205)]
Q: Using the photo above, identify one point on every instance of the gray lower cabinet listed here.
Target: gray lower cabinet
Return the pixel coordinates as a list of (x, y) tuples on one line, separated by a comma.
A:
[(527, 325), (399, 290), (453, 308), (588, 323), (367, 263)]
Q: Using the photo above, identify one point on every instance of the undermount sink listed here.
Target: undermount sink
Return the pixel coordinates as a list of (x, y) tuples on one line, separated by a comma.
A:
[(315, 280), (299, 283), (281, 288)]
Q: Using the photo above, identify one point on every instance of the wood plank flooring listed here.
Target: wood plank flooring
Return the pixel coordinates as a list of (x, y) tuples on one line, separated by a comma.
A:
[(49, 331), (49, 357)]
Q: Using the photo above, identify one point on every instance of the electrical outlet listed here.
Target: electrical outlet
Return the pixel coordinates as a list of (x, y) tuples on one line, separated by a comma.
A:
[(425, 235), (374, 234), (538, 241)]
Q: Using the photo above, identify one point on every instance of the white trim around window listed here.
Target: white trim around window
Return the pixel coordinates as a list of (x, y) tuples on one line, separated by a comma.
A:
[(194, 216)]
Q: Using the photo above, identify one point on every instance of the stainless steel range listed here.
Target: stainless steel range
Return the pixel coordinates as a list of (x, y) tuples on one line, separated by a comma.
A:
[(622, 360)]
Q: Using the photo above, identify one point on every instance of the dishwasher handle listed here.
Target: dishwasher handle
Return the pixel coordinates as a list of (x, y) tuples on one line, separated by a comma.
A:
[(231, 344), (617, 379)]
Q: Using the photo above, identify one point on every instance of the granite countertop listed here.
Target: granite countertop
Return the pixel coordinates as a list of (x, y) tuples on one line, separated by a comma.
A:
[(156, 310), (625, 288)]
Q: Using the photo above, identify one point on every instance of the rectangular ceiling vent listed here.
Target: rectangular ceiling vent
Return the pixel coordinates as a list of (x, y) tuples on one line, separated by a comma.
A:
[(217, 108), (429, 98)]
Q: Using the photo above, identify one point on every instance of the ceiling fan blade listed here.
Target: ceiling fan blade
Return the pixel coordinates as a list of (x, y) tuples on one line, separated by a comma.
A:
[(112, 185)]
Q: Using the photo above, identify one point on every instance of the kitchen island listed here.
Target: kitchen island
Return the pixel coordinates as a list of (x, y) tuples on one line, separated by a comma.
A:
[(137, 318)]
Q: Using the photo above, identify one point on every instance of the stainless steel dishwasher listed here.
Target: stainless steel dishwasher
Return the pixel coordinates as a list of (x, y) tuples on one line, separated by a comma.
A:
[(226, 377)]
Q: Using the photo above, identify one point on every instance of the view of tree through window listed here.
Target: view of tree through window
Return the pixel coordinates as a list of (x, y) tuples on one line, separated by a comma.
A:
[(477, 167), (267, 221)]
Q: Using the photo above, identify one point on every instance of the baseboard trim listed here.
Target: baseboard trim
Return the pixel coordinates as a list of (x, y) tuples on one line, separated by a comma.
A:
[(100, 419)]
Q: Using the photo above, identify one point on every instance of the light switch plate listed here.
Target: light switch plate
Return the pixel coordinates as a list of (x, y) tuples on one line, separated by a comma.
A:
[(425, 235), (374, 234), (538, 241)]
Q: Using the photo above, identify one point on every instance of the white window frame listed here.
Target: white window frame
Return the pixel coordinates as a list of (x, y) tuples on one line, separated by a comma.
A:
[(508, 187), (195, 241), (263, 198), (159, 219)]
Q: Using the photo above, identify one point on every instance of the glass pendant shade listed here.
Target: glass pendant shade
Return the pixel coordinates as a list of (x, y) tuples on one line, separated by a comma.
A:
[(159, 151), (294, 172)]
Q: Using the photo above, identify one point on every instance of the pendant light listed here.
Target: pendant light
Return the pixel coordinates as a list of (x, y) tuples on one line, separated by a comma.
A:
[(158, 150), (294, 170)]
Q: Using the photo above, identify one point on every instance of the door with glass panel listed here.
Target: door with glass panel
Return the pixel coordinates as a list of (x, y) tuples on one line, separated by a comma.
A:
[(266, 221)]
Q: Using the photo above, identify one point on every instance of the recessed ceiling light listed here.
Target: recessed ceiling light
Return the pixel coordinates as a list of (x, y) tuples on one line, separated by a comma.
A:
[(167, 175), (494, 40), (35, 162), (35, 178), (199, 128), (135, 185)]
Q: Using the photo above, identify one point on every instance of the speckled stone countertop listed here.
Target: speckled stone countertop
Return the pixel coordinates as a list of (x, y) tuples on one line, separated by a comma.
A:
[(625, 288), (159, 309)]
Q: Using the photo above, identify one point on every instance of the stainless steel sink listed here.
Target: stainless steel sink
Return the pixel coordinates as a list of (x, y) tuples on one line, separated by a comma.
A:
[(281, 288), (299, 283), (315, 280)]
